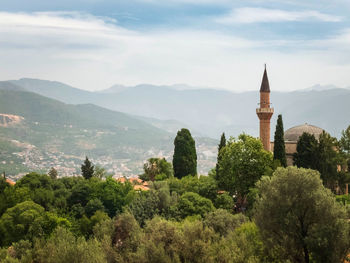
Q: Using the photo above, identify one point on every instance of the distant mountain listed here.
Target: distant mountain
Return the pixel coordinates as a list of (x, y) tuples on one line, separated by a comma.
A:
[(7, 85), (118, 88), (319, 87), (114, 89), (55, 90), (37, 133), (210, 111)]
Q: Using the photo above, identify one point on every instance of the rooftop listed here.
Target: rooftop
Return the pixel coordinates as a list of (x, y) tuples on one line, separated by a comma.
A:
[(293, 134)]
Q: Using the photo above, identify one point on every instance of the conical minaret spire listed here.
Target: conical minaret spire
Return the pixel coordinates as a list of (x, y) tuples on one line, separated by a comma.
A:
[(265, 86), (265, 112)]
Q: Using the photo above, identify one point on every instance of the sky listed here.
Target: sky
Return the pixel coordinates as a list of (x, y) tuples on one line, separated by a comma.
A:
[(94, 44)]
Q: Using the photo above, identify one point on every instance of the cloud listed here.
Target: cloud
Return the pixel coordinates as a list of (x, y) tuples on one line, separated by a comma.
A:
[(264, 15), (94, 53)]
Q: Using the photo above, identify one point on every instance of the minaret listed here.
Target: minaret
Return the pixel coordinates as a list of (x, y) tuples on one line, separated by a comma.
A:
[(265, 112)]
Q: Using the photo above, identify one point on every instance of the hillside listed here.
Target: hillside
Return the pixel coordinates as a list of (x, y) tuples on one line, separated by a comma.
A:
[(38, 132), (209, 111)]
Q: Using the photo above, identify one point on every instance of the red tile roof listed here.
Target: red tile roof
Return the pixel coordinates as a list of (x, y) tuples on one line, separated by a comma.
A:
[(10, 182)]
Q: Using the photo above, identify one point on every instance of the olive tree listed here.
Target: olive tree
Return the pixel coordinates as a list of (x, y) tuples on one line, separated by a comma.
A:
[(299, 218)]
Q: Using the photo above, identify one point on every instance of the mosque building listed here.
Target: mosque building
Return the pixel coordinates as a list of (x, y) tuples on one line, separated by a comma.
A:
[(291, 136)]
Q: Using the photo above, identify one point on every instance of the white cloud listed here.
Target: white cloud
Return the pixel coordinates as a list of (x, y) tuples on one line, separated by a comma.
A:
[(262, 15), (93, 53)]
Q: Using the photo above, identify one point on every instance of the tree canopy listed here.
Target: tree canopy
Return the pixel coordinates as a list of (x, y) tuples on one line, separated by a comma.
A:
[(221, 145), (244, 161), (299, 218)]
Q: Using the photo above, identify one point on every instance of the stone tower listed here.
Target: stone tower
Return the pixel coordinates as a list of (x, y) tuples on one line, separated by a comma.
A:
[(265, 112)]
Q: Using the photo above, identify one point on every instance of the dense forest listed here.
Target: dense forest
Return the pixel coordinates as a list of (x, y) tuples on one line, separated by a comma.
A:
[(250, 208)]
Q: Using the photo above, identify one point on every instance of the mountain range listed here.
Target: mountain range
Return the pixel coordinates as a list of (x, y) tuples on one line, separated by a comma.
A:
[(208, 112), (47, 123)]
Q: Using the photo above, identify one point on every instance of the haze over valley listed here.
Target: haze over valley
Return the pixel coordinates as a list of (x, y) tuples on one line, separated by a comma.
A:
[(56, 125)]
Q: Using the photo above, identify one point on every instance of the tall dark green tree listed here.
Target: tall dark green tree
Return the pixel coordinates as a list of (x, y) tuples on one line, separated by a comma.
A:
[(279, 149), (185, 156), (344, 144), (87, 169), (222, 144), (345, 141), (328, 158), (306, 156)]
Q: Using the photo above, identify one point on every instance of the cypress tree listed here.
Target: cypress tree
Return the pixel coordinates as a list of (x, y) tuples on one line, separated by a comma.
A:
[(222, 144), (279, 149), (87, 169), (185, 156), (307, 152)]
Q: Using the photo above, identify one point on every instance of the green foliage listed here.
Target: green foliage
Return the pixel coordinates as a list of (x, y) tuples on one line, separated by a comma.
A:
[(343, 199), (243, 163), (27, 220), (224, 222), (185, 156), (327, 160), (306, 148), (299, 219), (345, 141), (80, 193), (92, 206), (87, 169), (157, 169), (279, 150), (22, 251), (127, 233), (160, 177), (193, 204), (319, 155), (63, 247), (154, 202), (71, 202), (114, 195), (205, 186), (13, 195), (161, 242), (224, 201), (221, 145), (145, 206), (176, 221)]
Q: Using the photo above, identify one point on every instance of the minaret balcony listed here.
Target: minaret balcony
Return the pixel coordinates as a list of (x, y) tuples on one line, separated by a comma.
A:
[(264, 110)]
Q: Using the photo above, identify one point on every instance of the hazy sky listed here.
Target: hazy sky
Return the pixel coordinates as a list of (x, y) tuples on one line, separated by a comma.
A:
[(93, 44)]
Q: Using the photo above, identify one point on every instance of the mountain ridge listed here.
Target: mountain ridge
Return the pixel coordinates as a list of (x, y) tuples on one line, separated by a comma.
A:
[(211, 112)]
